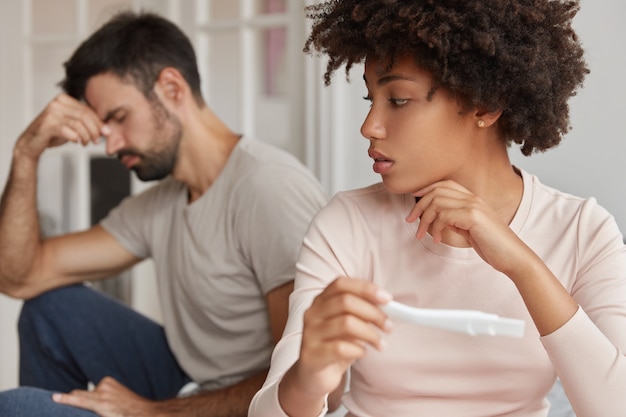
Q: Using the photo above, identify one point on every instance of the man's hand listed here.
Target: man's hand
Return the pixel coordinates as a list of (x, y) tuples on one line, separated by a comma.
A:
[(25, 270), (64, 119), (109, 399), (112, 399)]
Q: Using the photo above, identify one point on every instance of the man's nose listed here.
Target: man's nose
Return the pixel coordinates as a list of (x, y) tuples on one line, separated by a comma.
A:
[(114, 142)]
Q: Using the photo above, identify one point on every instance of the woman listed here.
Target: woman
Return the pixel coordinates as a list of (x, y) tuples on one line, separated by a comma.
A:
[(454, 225)]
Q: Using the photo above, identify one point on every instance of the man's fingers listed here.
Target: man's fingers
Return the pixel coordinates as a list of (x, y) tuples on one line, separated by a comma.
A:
[(80, 123), (77, 398)]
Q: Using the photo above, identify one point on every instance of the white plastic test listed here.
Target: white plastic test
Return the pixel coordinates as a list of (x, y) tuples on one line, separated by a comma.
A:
[(472, 322)]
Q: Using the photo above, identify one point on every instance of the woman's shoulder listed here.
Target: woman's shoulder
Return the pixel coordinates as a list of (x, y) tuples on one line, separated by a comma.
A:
[(548, 198), (547, 205), (370, 194), (371, 202)]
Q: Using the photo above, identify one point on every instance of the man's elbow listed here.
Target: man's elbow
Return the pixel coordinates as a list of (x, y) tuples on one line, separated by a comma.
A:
[(18, 289)]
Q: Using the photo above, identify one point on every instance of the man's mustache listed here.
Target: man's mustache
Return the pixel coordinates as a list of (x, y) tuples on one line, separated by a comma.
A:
[(128, 152)]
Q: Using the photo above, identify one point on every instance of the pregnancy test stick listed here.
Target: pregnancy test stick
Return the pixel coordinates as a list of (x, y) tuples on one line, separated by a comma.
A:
[(472, 322)]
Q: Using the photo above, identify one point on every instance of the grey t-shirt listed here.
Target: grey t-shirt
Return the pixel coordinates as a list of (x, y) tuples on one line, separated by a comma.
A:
[(218, 257)]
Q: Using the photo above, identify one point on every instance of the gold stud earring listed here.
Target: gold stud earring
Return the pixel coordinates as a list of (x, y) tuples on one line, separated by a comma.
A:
[(480, 123)]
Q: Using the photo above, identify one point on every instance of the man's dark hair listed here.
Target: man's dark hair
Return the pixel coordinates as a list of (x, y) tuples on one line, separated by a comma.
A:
[(518, 56), (135, 47)]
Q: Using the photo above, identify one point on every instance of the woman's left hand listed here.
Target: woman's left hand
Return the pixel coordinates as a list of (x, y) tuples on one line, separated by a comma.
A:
[(446, 207)]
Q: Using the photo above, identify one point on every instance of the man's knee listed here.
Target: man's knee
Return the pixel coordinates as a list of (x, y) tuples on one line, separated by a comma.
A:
[(25, 402), (49, 307), (35, 402)]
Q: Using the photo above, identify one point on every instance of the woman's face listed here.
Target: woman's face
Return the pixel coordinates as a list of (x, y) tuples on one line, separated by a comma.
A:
[(414, 141)]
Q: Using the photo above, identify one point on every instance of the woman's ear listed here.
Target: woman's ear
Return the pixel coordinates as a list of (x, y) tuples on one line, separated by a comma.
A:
[(486, 118)]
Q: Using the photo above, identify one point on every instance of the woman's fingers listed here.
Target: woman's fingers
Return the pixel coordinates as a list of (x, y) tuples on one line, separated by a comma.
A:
[(339, 326), (351, 328), (342, 320), (346, 296)]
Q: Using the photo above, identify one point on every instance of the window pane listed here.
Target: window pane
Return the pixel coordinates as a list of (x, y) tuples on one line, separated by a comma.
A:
[(154, 6), (223, 9), (54, 17), (271, 6), (48, 72), (274, 69), (272, 116), (272, 121), (101, 10), (223, 83)]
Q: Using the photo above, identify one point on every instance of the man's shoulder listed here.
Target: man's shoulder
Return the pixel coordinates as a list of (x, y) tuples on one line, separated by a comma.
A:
[(258, 154), (258, 165)]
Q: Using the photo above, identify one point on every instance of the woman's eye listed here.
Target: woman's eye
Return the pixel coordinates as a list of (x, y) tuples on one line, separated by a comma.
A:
[(398, 101)]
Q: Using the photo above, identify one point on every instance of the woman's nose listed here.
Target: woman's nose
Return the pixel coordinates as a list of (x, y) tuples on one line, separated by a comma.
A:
[(372, 127)]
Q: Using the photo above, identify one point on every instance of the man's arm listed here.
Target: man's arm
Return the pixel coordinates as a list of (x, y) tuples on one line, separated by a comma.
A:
[(19, 224), (111, 399), (83, 256), (232, 401), (235, 400), (29, 265)]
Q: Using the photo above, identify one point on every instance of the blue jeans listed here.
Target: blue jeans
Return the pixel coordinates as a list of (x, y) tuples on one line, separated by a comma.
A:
[(74, 335)]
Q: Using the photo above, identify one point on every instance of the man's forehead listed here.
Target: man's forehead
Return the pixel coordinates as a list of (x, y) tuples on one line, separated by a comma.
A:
[(107, 92)]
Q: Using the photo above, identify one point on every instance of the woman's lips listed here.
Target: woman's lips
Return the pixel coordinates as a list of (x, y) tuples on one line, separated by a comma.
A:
[(382, 164)]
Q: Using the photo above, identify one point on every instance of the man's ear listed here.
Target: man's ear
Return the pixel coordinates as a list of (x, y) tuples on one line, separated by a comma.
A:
[(486, 118), (170, 86)]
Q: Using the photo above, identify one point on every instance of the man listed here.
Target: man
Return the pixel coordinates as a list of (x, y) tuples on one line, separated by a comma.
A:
[(224, 228)]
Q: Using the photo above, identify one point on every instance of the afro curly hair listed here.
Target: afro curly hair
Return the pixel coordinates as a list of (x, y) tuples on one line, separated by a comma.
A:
[(518, 56)]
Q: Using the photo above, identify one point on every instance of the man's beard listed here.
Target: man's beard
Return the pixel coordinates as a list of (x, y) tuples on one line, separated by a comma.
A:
[(158, 163), (155, 166)]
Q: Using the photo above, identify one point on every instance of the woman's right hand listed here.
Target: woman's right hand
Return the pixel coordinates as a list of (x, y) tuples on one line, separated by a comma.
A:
[(341, 322), (64, 119)]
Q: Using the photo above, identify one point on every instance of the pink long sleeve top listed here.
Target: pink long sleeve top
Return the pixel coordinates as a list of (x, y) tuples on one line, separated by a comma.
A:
[(432, 372)]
